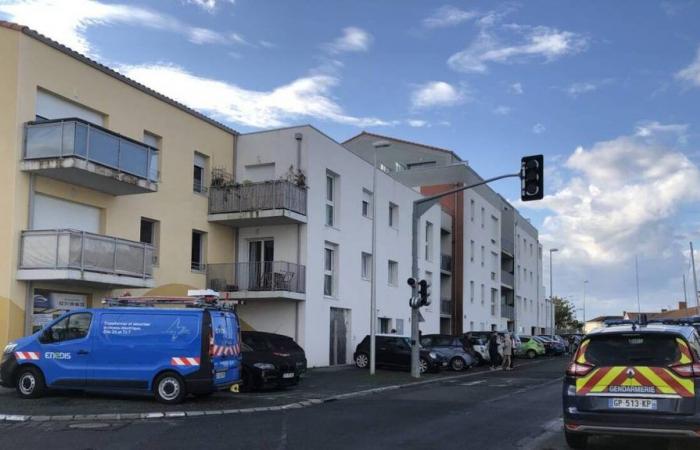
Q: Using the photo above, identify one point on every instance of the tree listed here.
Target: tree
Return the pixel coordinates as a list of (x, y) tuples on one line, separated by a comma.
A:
[(565, 315)]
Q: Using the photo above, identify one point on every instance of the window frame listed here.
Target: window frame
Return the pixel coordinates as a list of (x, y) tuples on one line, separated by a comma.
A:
[(393, 276), (201, 266), (366, 266)]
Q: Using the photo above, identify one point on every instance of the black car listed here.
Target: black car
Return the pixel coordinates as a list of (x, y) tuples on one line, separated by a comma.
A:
[(633, 380), (271, 360), (395, 352)]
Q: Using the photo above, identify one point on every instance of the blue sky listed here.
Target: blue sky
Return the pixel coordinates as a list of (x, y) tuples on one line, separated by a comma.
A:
[(608, 91)]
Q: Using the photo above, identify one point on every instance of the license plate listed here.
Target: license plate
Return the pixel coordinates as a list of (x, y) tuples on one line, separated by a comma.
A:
[(632, 403), (220, 375), (288, 375)]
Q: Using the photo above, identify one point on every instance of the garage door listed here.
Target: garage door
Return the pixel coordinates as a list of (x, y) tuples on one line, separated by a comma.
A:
[(51, 213)]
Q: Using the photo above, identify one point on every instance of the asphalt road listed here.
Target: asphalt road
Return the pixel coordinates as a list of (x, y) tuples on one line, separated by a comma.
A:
[(490, 410)]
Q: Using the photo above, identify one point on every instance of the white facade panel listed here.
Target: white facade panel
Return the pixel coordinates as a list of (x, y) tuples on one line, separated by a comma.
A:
[(50, 106), (52, 213)]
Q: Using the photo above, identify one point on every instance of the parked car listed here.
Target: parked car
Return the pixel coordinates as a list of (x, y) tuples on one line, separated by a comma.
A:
[(479, 348), (271, 361), (452, 348), (167, 353), (529, 348), (395, 351), (551, 346), (484, 336)]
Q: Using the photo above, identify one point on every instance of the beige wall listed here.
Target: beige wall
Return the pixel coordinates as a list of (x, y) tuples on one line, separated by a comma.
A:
[(29, 64)]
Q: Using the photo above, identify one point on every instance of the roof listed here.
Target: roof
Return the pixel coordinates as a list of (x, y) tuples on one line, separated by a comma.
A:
[(113, 73), (404, 141), (685, 331)]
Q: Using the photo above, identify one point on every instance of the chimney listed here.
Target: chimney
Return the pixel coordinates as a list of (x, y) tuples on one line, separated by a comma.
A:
[(663, 310), (682, 305)]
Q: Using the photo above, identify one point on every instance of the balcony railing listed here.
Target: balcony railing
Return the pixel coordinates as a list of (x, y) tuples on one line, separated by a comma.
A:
[(507, 311), (446, 262), (507, 278), (257, 276), (81, 139), (79, 250), (446, 307), (279, 194)]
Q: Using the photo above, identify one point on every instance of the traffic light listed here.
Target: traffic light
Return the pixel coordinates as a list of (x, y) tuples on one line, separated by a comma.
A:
[(532, 178), (424, 293)]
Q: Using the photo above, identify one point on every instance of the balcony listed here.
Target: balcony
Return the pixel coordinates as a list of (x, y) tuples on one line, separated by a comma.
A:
[(507, 279), (258, 280), (446, 263), (78, 152), (507, 311), (77, 256), (446, 307), (265, 203)]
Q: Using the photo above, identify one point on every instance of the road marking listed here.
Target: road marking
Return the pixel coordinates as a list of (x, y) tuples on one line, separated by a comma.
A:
[(473, 383)]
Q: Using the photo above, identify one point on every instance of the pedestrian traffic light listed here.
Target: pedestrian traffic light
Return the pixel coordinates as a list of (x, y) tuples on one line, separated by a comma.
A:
[(424, 293), (411, 282), (532, 178)]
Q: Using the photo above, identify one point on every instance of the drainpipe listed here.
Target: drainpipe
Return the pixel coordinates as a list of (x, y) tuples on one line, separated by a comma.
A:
[(298, 137), (29, 298)]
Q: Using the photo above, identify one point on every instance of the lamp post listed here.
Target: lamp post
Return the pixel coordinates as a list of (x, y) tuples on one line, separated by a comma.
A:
[(373, 296), (551, 284)]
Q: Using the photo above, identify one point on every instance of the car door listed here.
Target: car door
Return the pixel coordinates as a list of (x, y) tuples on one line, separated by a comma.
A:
[(401, 352), (66, 347), (384, 351)]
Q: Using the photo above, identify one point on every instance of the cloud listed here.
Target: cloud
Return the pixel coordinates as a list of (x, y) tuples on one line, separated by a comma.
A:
[(691, 74), (502, 110), (448, 16), (417, 123), (538, 128), (353, 39), (209, 5), (659, 131), (516, 88), (576, 89), (522, 43), (303, 98), (437, 94), (68, 22)]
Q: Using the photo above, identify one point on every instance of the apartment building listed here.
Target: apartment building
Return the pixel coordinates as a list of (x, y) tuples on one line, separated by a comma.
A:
[(496, 281), (301, 206), (103, 185)]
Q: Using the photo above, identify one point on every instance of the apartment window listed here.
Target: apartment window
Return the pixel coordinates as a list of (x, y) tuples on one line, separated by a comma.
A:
[(331, 198), (531, 250), (471, 325), (366, 266), (471, 251), (517, 275), (483, 293), (481, 326), (393, 273), (384, 324), (495, 229), (471, 291), (483, 217), (494, 265), (393, 215), (524, 275), (200, 169), (428, 241), (531, 280), (524, 304), (198, 241), (149, 233), (366, 203), (517, 246), (399, 327), (494, 299), (154, 141), (330, 274), (472, 206), (483, 255)]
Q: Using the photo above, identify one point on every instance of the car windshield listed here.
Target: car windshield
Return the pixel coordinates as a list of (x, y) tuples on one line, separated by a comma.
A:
[(632, 349)]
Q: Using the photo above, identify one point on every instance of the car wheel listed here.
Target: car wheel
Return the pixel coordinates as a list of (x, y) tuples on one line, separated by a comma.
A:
[(531, 354), (457, 364), (30, 383), (362, 360), (576, 441), (423, 365), (169, 388)]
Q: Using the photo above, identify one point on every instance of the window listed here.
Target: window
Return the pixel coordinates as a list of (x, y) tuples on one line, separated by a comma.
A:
[(517, 274), (481, 326), (531, 250), (393, 273), (471, 209), (517, 246), (531, 280), (471, 325), (366, 203), (149, 234), (524, 303), (483, 217), (75, 326), (198, 251), (384, 324), (471, 291), (366, 266), (200, 168), (495, 229), (471, 251), (331, 181), (393, 215), (483, 255), (329, 270), (494, 265), (154, 141), (494, 304), (399, 327), (483, 293), (428, 241)]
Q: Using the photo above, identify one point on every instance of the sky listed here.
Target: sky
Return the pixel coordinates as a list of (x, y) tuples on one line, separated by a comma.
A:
[(609, 92)]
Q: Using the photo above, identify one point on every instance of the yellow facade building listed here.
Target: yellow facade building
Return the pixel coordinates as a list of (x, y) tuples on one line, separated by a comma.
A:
[(102, 185)]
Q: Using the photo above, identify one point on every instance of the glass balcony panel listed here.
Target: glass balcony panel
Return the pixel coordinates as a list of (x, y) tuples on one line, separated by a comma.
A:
[(103, 148), (43, 141)]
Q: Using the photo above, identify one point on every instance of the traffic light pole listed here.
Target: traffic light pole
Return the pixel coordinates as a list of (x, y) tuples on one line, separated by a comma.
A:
[(420, 207)]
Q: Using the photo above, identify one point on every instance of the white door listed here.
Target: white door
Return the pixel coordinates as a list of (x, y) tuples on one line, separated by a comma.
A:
[(52, 213)]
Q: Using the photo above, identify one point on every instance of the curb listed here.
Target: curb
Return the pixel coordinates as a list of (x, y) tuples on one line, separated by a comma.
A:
[(186, 414)]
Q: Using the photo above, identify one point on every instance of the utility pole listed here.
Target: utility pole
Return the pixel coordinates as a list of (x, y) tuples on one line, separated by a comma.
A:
[(695, 277), (551, 288), (685, 292), (636, 274)]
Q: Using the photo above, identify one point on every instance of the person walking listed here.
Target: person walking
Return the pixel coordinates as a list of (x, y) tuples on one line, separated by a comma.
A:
[(493, 350), (507, 352)]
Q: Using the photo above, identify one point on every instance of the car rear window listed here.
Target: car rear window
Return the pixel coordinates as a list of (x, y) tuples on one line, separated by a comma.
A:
[(285, 344), (632, 349)]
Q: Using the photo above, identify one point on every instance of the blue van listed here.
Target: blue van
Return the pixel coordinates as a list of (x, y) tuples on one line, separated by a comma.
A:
[(168, 353)]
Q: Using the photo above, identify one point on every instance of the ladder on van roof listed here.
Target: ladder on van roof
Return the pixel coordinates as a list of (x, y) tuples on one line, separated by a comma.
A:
[(196, 299)]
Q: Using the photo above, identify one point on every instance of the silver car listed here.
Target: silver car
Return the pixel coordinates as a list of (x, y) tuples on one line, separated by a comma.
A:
[(450, 347)]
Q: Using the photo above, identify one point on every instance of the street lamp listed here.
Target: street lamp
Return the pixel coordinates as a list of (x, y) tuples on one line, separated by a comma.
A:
[(373, 296), (551, 296), (585, 282)]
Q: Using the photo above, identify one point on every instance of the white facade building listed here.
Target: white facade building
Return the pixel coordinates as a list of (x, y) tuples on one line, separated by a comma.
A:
[(331, 245), (528, 268)]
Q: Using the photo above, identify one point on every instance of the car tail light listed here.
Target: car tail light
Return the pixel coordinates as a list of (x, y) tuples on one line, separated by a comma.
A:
[(211, 344), (687, 370), (578, 370)]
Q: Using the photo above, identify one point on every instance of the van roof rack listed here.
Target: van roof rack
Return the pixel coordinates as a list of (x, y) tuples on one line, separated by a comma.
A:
[(207, 299)]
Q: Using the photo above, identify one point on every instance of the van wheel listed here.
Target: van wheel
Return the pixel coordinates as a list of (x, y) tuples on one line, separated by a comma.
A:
[(30, 383), (169, 388), (457, 364), (576, 441)]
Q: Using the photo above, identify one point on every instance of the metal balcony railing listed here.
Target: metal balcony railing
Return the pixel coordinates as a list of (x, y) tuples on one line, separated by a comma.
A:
[(279, 194), (446, 262), (80, 250), (257, 276), (507, 311), (446, 306), (81, 139)]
